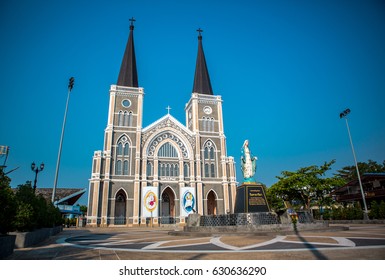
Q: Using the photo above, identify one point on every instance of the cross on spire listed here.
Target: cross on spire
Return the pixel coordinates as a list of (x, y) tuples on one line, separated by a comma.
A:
[(132, 21), (168, 108), (199, 31)]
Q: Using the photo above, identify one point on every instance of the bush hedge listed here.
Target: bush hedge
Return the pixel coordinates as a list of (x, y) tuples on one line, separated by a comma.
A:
[(23, 210)]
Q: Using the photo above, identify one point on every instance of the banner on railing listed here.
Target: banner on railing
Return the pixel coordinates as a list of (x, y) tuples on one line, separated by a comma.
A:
[(187, 201), (150, 202)]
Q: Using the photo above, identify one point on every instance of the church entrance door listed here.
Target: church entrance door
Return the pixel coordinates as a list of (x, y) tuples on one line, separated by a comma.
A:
[(168, 206), (211, 203), (120, 208)]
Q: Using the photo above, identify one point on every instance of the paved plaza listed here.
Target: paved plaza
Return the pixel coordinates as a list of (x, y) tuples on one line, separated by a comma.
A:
[(363, 242)]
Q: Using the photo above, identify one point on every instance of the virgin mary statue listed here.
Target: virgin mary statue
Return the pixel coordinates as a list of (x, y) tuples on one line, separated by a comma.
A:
[(248, 162)]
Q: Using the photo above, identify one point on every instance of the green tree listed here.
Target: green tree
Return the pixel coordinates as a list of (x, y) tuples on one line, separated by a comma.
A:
[(83, 209), (34, 211), (349, 173), (27, 217), (7, 204), (307, 185)]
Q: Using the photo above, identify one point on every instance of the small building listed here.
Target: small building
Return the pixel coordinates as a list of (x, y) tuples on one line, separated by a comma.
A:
[(373, 185), (65, 200)]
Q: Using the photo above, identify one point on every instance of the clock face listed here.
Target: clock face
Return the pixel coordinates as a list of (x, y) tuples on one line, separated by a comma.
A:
[(126, 103), (207, 110)]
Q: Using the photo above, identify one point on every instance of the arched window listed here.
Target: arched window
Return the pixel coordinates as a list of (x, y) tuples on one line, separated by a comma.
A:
[(212, 171), (168, 150), (122, 158), (207, 170), (125, 167), (129, 121), (120, 149), (206, 154), (120, 118), (204, 124), (209, 159), (126, 149), (125, 118), (149, 169), (118, 170), (212, 153), (168, 169), (186, 170), (212, 125)]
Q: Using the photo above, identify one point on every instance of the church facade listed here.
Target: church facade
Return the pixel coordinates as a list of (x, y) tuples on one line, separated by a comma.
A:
[(161, 173)]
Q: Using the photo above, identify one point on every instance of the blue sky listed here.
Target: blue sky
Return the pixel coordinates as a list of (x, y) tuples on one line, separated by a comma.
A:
[(285, 70)]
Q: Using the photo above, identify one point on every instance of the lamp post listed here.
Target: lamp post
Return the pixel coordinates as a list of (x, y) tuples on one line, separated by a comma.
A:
[(70, 86), (344, 115), (36, 169)]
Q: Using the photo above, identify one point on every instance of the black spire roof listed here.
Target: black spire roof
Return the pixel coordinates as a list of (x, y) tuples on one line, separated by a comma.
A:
[(202, 82), (128, 75)]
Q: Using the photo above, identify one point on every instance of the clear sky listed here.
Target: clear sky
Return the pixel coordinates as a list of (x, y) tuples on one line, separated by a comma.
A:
[(285, 70)]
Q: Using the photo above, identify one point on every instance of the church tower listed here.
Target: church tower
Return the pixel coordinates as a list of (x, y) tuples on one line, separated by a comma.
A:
[(114, 184), (216, 177)]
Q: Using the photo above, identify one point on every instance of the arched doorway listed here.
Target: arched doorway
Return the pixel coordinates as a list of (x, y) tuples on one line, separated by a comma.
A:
[(168, 206), (120, 208), (211, 203)]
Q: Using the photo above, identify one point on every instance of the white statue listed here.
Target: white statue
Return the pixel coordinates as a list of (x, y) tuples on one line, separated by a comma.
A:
[(248, 162)]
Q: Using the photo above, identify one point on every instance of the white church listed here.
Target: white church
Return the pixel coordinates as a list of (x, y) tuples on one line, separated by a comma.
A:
[(162, 172)]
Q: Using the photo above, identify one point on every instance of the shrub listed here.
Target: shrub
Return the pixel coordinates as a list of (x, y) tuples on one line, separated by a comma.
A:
[(34, 211), (24, 220), (7, 204), (381, 211), (374, 210)]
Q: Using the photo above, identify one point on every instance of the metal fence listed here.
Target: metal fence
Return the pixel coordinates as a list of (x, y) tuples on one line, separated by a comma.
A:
[(240, 219), (305, 217), (167, 220)]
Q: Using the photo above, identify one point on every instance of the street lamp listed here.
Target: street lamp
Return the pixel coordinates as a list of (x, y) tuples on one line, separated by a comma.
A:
[(70, 86), (344, 115), (36, 169)]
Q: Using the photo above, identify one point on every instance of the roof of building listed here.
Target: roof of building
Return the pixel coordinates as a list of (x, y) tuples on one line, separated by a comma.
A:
[(366, 177), (202, 82), (128, 75), (63, 195)]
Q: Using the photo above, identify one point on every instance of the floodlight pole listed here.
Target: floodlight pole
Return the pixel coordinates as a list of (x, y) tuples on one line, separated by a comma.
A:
[(344, 115), (70, 86)]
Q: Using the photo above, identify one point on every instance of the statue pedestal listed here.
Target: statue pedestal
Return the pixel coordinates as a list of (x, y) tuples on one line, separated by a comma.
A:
[(251, 198)]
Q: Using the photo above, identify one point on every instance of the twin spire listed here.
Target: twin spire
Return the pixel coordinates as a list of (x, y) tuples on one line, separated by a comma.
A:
[(128, 75)]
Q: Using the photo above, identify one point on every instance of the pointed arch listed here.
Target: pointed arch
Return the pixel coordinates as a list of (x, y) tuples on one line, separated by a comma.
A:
[(149, 169), (211, 199), (123, 155), (119, 191), (168, 207), (167, 150), (120, 207), (186, 170), (209, 159), (120, 118), (125, 118), (180, 139)]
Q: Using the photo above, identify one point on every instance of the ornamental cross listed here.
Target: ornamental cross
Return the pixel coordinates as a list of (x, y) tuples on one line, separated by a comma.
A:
[(199, 31), (168, 108), (132, 20)]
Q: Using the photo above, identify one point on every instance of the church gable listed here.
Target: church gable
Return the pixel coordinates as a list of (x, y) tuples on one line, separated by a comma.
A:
[(167, 127)]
